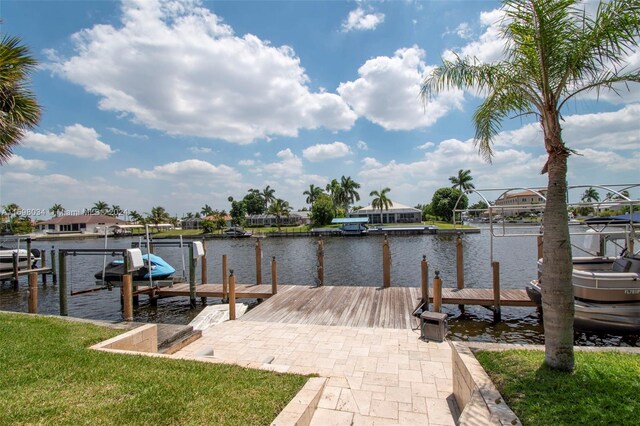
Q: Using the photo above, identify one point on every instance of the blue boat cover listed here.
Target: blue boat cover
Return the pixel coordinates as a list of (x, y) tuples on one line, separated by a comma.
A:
[(159, 267)]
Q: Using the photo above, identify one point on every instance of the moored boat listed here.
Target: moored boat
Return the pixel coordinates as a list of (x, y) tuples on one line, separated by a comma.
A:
[(7, 254), (159, 270)]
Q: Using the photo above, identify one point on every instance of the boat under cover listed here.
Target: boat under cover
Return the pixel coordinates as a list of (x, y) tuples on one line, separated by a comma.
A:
[(160, 270), (6, 258)]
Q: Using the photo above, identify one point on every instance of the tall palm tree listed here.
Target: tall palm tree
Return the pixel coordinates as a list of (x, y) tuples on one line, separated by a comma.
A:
[(19, 107), (158, 215), (333, 189), (279, 208), (380, 200), (462, 181), (206, 210), (268, 196), (116, 211), (101, 207), (348, 193), (11, 210), (312, 193), (554, 51), (590, 195), (56, 210), (136, 217)]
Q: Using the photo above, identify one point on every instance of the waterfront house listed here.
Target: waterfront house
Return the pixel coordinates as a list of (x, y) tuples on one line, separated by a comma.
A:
[(520, 202), (85, 224), (398, 213)]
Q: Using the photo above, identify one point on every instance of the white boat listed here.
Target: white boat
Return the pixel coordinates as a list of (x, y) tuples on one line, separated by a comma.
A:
[(7, 254)]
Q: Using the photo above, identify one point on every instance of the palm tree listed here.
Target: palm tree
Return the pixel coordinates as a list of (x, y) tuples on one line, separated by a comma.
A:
[(279, 208), (158, 215), (590, 195), (348, 193), (333, 189), (56, 210), (312, 193), (116, 211), (19, 107), (554, 51), (267, 196), (380, 200), (206, 210), (462, 181), (101, 207), (11, 210), (136, 217)]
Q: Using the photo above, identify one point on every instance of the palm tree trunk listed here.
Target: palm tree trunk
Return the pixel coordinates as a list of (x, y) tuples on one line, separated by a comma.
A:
[(557, 288)]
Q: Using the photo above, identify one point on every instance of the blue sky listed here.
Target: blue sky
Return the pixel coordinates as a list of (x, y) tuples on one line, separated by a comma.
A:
[(184, 103)]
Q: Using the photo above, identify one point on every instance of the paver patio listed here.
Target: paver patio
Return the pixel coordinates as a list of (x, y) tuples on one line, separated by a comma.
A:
[(376, 375)]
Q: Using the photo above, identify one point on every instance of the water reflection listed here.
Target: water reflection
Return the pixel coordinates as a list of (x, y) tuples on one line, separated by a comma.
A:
[(348, 261)]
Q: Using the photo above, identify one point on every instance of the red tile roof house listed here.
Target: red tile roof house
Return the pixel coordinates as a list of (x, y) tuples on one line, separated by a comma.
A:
[(85, 224)]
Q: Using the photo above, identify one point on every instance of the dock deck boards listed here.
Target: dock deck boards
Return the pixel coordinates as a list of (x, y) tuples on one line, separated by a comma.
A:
[(354, 306)]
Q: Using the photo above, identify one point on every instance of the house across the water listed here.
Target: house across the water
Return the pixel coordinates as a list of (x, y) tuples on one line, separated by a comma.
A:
[(85, 224), (398, 213)]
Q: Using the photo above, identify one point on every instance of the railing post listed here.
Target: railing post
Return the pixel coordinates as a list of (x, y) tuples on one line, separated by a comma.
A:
[(127, 299), (424, 266), (437, 292), (232, 296), (495, 266), (33, 293), (320, 264), (225, 289), (192, 278), (386, 263), (274, 276), (64, 310), (459, 263), (258, 261)]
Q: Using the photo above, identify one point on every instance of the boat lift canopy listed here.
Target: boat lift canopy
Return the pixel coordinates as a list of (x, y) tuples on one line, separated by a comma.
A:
[(349, 220)]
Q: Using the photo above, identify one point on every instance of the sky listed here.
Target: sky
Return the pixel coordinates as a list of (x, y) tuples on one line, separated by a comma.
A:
[(183, 103)]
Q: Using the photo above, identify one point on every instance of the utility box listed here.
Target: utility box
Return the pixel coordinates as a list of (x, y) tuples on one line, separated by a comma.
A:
[(433, 326)]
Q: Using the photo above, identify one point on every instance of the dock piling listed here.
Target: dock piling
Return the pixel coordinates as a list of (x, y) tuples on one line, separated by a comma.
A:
[(203, 272), (424, 266), (320, 264), (54, 274), (33, 293), (127, 299), (43, 264), (274, 275), (258, 262), (62, 269), (386, 263), (497, 314), (29, 253), (192, 278), (225, 296), (14, 260), (232, 296), (437, 293), (459, 262)]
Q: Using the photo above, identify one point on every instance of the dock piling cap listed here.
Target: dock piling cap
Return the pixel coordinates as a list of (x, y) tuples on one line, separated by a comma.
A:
[(437, 274)]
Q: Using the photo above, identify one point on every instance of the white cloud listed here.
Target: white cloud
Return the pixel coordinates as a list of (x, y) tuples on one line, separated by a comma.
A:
[(387, 92), (119, 132), (490, 45), (48, 181), (76, 140), (290, 165), (608, 159), (19, 162), (463, 31), (362, 145), (358, 19), (247, 163), (426, 145), (329, 151), (174, 66), (188, 171), (200, 150)]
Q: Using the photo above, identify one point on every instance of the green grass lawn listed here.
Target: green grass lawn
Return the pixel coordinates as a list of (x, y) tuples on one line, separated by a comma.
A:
[(604, 389), (50, 377)]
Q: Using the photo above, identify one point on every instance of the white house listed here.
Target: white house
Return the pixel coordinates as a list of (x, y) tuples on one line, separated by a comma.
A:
[(398, 213), (86, 224)]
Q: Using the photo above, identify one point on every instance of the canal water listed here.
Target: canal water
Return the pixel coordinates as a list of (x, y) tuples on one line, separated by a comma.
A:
[(348, 261)]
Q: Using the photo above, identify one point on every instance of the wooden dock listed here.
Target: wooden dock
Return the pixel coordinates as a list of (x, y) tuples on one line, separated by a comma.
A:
[(22, 272), (354, 306)]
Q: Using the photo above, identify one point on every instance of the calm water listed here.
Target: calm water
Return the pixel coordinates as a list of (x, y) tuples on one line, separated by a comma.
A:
[(348, 261)]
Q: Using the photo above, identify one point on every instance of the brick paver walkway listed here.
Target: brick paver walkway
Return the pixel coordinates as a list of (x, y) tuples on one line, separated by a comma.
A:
[(376, 375)]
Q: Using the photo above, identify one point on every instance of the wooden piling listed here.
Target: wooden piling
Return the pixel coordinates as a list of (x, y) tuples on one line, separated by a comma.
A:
[(127, 299), (540, 242), (274, 276), (224, 277), (192, 278), (232, 296), (424, 266), (62, 269), (437, 293), (320, 264), (386, 263), (459, 263), (15, 259), (29, 253), (33, 293), (54, 273), (43, 264), (495, 266), (203, 271), (258, 262)]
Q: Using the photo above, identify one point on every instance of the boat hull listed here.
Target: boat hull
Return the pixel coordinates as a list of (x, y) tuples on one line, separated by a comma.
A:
[(6, 259)]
